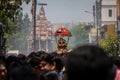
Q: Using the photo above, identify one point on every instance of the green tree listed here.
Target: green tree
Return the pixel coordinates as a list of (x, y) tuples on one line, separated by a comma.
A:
[(19, 40), (111, 45), (79, 35), (9, 11)]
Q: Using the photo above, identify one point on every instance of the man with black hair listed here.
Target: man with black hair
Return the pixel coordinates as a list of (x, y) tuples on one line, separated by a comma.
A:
[(89, 62), (22, 72)]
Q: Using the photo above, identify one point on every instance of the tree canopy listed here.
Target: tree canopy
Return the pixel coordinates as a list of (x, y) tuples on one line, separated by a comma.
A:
[(79, 35), (9, 10)]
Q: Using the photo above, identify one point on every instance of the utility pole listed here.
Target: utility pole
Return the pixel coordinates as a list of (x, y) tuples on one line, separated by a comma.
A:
[(98, 19), (92, 40), (94, 15), (33, 11)]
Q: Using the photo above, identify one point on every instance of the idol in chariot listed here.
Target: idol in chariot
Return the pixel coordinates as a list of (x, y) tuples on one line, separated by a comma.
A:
[(62, 36)]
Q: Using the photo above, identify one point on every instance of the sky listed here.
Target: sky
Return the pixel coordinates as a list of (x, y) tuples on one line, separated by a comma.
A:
[(62, 11)]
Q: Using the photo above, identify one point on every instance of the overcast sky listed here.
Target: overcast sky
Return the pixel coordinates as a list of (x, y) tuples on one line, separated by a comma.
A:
[(65, 10)]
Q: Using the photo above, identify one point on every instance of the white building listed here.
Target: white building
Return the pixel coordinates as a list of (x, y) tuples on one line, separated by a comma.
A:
[(92, 36), (105, 14), (108, 12)]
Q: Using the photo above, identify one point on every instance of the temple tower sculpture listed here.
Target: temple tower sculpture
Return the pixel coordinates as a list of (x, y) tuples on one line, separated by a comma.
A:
[(43, 31)]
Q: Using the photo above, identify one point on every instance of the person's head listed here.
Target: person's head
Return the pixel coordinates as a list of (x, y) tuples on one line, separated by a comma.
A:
[(46, 62), (3, 58), (32, 54), (23, 72), (39, 53), (35, 63), (48, 75), (3, 70), (89, 62), (10, 60), (116, 61), (58, 60), (22, 57)]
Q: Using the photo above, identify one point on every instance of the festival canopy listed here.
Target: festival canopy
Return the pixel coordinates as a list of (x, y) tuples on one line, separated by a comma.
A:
[(63, 32)]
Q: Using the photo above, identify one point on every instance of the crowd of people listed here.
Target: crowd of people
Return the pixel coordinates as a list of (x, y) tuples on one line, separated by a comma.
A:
[(86, 62)]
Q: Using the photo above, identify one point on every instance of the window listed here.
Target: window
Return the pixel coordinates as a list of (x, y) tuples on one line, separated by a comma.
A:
[(110, 13)]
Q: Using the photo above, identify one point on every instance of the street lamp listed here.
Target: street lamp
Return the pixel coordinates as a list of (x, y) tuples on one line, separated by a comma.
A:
[(93, 13), (94, 30), (96, 21)]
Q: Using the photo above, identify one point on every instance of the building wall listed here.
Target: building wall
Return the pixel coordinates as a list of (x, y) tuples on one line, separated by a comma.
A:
[(118, 18), (93, 36), (105, 19), (108, 2), (110, 30), (118, 7), (105, 16), (105, 7)]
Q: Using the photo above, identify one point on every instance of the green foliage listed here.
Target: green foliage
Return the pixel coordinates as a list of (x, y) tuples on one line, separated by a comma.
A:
[(79, 35), (9, 12), (112, 45), (19, 40)]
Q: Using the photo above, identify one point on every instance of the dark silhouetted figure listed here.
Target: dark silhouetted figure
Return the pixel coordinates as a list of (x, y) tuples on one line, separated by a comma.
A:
[(89, 62)]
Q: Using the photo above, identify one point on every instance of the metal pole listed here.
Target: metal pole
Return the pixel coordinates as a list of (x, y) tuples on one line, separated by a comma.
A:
[(97, 20), (35, 2), (94, 15)]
